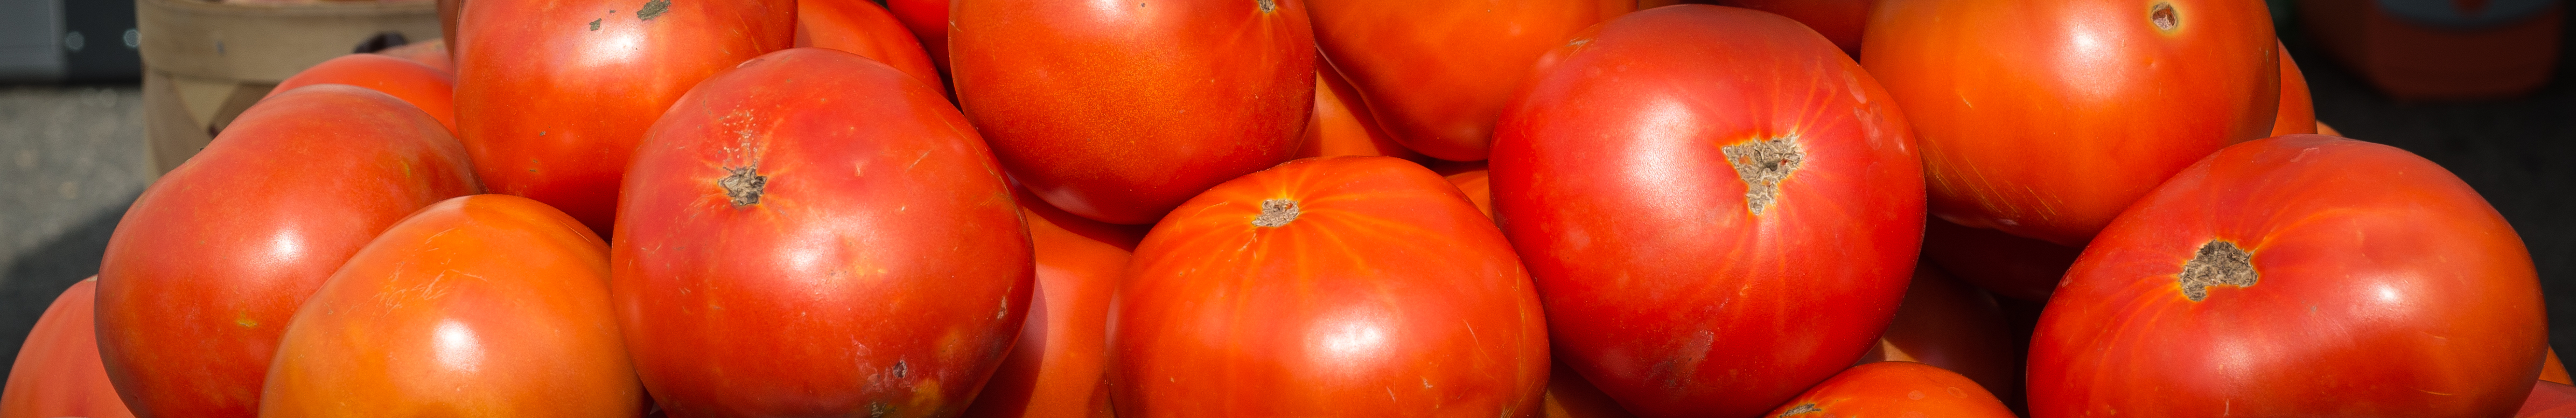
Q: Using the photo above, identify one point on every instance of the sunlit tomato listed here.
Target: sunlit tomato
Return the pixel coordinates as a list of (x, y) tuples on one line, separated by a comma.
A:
[(1058, 367), (206, 268), (1948, 324), (57, 373), (1569, 396), (486, 305), (2322, 129), (2298, 114), (553, 96), (2011, 266), (1720, 209), (1341, 124), (1437, 74), (862, 27), (1333, 286), (432, 53), (1118, 110), (1894, 389), (817, 234), (1838, 20), (2303, 275), (2045, 118), (427, 88), (2551, 370), (928, 21), (2549, 400)]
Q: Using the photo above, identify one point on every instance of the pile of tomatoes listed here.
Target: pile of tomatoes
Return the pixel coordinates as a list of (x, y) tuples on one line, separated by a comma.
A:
[(1194, 208)]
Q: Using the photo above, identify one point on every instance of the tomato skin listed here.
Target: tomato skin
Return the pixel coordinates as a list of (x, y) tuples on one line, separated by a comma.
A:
[(1569, 396), (877, 264), (1662, 286), (2011, 266), (1895, 389), (2298, 114), (432, 53), (209, 264), (2551, 370), (862, 27), (2045, 119), (57, 372), (928, 21), (1948, 324), (1436, 75), (1838, 20), (1118, 111), (2548, 400), (552, 107), (1477, 182), (1341, 124), (1382, 294), (485, 305), (1058, 368), (422, 86), (2384, 287)]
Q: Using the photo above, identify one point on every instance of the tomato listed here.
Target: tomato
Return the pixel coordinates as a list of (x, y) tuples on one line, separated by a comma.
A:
[(1569, 396), (1342, 125), (1720, 209), (1477, 182), (486, 305), (862, 27), (1341, 286), (420, 85), (207, 266), (2302, 275), (1118, 111), (2045, 119), (1059, 366), (432, 54), (2011, 266), (928, 21), (1838, 20), (1894, 389), (57, 372), (2551, 370), (1436, 75), (2322, 129), (553, 96), (1950, 325), (2549, 400), (817, 234)]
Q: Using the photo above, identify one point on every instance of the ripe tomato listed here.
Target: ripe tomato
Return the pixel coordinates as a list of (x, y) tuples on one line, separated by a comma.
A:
[(1838, 20), (2302, 275), (57, 372), (2549, 400), (1894, 389), (1950, 325), (2011, 266), (2298, 114), (1436, 75), (2551, 370), (205, 269), (2045, 119), (486, 305), (553, 96), (928, 21), (1719, 208), (1477, 182), (427, 88), (1118, 111), (862, 27), (1342, 125), (1320, 287), (1059, 366), (432, 53), (814, 233), (1569, 396)]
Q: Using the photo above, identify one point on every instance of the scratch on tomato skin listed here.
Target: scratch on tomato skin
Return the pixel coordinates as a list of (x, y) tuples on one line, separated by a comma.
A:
[(2432, 392)]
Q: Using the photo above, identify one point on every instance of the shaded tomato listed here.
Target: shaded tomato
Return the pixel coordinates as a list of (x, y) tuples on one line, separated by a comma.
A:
[(1059, 366), (1569, 396), (928, 21), (815, 233), (553, 96), (2302, 275), (2045, 119), (1948, 324), (57, 372), (2322, 129), (1341, 124), (1343, 286), (1894, 389), (1118, 111), (2551, 370), (2548, 400), (486, 305), (1719, 208), (2298, 114), (862, 27), (424, 87), (1436, 75), (207, 266), (1477, 182), (1838, 20), (2011, 266), (432, 53)]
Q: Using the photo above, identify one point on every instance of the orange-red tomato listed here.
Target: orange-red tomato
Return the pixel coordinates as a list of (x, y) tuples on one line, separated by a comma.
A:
[(862, 27), (928, 21), (2298, 114), (57, 373), (1332, 286), (1839, 20), (2045, 119), (2011, 266), (2322, 129), (2302, 275), (486, 305), (1569, 396), (1341, 124), (206, 268), (1058, 367), (1894, 389), (424, 87), (2551, 370), (1948, 324), (1478, 183), (1437, 74), (432, 53)]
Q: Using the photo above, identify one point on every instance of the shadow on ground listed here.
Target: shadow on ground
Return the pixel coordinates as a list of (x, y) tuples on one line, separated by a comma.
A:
[(35, 277)]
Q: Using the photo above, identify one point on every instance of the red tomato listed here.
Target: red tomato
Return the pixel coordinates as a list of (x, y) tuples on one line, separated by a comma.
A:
[(427, 88), (1693, 187), (2551, 370), (1118, 111), (57, 372), (2011, 266), (814, 233), (1838, 20), (1950, 325), (553, 96), (1569, 396), (206, 268), (2303, 275), (862, 27), (2549, 400), (1059, 366), (1477, 182), (432, 53), (487, 305), (928, 20), (2298, 114), (1333, 286), (1894, 389), (1437, 74), (2045, 118), (1342, 125)]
